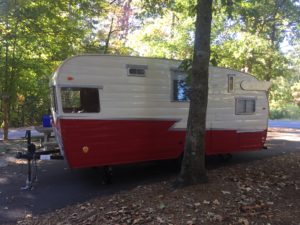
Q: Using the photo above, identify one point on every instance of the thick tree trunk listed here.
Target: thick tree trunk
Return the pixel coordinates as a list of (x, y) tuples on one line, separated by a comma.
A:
[(5, 107), (193, 165)]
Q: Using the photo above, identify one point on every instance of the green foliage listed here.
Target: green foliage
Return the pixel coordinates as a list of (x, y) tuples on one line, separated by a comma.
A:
[(286, 111), (173, 41), (246, 36), (167, 29), (280, 92), (273, 20), (35, 37), (282, 104), (158, 8), (296, 93), (251, 54)]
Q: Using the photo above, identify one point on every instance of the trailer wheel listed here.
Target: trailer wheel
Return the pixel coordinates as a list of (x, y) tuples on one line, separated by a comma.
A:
[(107, 175), (178, 162), (225, 157)]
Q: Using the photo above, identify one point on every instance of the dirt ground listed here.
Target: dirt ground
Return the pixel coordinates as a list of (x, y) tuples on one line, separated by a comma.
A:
[(265, 191)]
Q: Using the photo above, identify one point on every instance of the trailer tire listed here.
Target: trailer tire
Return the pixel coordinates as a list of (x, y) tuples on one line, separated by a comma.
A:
[(225, 157), (107, 175), (178, 162)]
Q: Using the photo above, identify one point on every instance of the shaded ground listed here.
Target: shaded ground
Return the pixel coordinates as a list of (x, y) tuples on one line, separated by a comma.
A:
[(258, 193), (254, 188)]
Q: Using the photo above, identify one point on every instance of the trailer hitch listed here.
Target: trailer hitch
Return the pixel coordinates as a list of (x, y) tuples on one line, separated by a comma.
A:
[(32, 155), (29, 155)]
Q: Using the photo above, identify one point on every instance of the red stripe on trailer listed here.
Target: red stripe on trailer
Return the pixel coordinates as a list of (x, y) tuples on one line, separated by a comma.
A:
[(89, 143)]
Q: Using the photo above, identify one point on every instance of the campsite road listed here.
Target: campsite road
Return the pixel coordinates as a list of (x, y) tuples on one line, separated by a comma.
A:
[(294, 124), (59, 186)]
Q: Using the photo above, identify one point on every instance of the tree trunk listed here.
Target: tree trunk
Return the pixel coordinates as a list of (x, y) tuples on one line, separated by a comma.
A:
[(5, 107), (193, 165), (109, 36)]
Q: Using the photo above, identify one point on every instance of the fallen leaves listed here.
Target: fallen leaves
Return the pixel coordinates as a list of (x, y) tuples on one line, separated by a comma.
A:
[(216, 202), (244, 194), (226, 192), (206, 202), (243, 221), (255, 208)]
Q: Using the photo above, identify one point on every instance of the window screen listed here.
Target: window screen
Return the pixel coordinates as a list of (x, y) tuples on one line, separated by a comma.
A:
[(244, 106), (80, 100)]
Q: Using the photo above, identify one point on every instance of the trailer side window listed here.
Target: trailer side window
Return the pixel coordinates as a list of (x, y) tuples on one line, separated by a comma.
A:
[(136, 70), (80, 100), (180, 88), (244, 106), (54, 99), (231, 82)]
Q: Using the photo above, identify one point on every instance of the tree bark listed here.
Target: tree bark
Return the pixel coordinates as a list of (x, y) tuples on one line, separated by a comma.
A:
[(5, 96), (109, 36), (5, 107), (193, 165)]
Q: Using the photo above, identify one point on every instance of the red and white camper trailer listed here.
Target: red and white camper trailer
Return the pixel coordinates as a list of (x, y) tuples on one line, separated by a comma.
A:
[(111, 110)]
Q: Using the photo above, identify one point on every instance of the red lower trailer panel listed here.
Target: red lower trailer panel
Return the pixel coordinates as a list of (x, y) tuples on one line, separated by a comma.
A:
[(89, 143)]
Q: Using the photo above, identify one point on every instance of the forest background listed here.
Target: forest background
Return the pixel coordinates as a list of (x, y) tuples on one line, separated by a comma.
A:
[(261, 37)]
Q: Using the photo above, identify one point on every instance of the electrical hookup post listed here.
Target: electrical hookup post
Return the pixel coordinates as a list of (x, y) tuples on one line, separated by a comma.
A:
[(32, 154)]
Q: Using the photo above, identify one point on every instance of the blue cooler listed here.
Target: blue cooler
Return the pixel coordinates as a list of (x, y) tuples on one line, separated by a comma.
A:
[(47, 121)]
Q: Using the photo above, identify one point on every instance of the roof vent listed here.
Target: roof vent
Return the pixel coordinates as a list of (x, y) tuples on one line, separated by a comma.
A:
[(136, 70)]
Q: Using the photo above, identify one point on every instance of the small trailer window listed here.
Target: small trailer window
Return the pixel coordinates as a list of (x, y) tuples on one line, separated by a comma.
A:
[(136, 70), (80, 100), (244, 106), (231, 82), (180, 88), (54, 99)]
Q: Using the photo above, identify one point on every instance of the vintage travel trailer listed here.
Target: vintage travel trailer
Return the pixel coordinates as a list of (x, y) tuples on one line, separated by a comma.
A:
[(110, 110)]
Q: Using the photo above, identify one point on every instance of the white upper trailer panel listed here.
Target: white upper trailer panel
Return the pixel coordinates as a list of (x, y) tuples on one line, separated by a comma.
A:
[(137, 88)]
